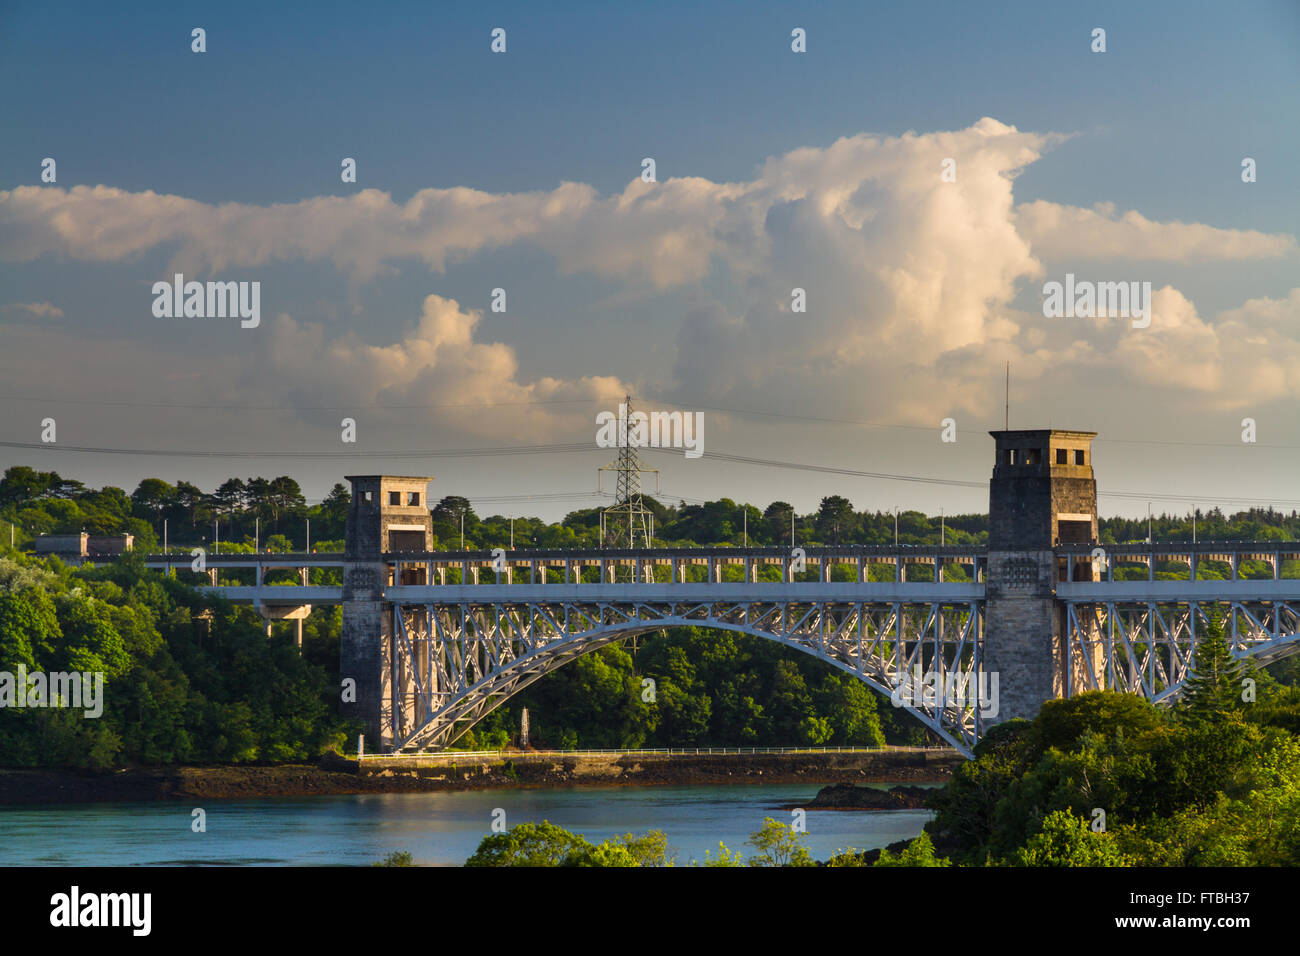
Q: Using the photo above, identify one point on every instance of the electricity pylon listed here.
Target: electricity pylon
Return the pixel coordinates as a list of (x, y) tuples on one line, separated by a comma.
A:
[(622, 523)]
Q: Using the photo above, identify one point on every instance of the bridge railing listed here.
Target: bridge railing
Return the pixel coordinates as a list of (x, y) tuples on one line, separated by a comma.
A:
[(1184, 560), (660, 751)]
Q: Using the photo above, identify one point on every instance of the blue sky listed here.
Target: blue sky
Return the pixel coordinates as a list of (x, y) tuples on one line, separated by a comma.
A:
[(1157, 125)]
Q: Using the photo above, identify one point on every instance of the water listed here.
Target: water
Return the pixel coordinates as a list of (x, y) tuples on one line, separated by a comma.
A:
[(436, 828)]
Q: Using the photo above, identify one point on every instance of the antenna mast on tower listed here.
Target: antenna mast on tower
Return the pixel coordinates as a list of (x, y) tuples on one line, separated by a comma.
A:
[(1006, 420), (622, 523)]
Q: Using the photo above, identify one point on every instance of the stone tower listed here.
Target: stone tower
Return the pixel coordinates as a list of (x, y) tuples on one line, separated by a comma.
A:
[(1043, 494), (388, 513)]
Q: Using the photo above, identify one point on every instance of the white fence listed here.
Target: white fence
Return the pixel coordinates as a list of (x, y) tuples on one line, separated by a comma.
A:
[(664, 751)]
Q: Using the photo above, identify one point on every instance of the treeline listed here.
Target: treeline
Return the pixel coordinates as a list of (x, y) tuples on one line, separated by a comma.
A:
[(1106, 779), (187, 679), (273, 509), (275, 513), (775, 844)]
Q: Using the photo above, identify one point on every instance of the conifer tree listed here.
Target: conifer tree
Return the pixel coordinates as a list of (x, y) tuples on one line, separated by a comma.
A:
[(1214, 683)]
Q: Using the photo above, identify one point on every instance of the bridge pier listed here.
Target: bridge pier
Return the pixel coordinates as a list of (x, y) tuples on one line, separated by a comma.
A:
[(280, 612), (388, 513), (1042, 494)]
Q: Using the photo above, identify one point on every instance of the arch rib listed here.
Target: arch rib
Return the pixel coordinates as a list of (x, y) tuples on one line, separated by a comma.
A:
[(526, 643)]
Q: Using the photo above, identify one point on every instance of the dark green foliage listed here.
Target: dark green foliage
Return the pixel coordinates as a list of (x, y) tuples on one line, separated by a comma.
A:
[(177, 689), (1214, 686), (710, 688), (920, 852), (46, 502), (545, 844), (1175, 787)]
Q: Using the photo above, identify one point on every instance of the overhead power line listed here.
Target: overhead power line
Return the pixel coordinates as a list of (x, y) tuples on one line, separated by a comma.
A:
[(957, 483), (578, 447), (291, 408), (312, 455), (932, 428)]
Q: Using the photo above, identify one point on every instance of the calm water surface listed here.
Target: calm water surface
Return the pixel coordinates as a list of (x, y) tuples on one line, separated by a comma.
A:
[(436, 828)]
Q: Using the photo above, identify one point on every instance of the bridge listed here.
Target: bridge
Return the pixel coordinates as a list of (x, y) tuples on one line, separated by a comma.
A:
[(962, 637)]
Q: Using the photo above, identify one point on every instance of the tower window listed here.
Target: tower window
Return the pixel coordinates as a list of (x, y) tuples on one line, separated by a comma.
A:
[(1061, 456), (1034, 456), (413, 498), (394, 497), (1079, 456), (1011, 456)]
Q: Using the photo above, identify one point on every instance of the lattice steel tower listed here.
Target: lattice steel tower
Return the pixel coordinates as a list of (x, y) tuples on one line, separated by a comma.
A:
[(629, 519)]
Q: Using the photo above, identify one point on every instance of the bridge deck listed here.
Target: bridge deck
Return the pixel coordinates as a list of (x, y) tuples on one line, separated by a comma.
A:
[(1162, 551)]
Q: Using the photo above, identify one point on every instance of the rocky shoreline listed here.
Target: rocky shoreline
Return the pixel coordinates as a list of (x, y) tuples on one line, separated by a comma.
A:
[(848, 796), (336, 776)]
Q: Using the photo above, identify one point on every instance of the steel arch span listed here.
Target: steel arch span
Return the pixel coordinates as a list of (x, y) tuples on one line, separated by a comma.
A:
[(1147, 647), (452, 665)]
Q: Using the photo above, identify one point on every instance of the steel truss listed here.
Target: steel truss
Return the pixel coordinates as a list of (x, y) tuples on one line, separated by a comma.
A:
[(1147, 647), (455, 663)]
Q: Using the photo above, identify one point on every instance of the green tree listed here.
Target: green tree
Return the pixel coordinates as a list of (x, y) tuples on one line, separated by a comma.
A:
[(920, 852), (528, 844), (1066, 840), (152, 497), (1213, 687), (778, 845), (778, 516), (650, 850), (29, 628), (849, 857), (725, 857), (835, 517)]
